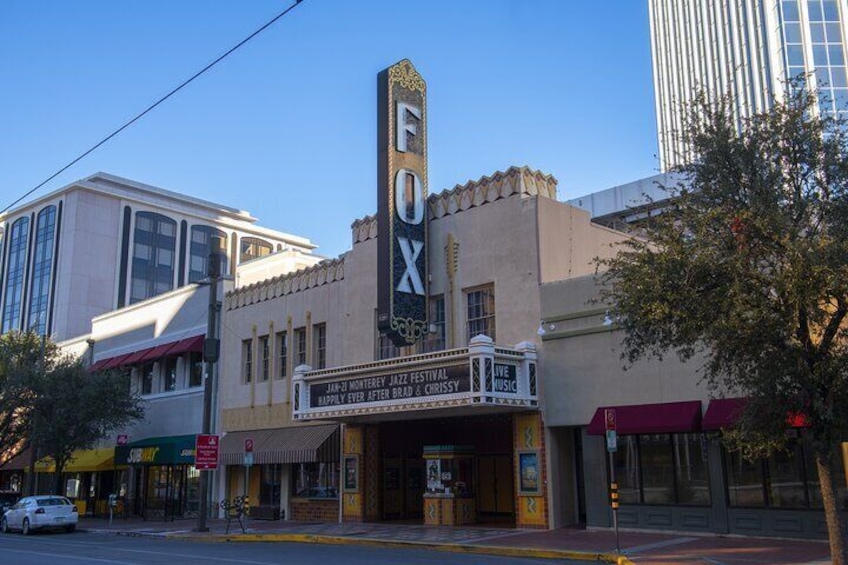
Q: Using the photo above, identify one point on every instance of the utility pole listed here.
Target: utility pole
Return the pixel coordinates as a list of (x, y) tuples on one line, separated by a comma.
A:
[(211, 351)]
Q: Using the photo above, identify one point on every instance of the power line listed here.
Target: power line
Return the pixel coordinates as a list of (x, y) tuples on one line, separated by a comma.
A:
[(155, 104)]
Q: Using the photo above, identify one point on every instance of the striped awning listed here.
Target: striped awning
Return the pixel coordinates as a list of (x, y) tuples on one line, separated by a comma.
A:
[(172, 348), (295, 444)]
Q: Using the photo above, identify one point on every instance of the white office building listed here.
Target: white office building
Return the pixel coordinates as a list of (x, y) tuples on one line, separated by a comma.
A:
[(106, 242), (746, 48)]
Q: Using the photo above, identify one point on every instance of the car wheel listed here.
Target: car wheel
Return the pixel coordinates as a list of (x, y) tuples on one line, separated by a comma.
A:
[(4, 526), (25, 529), (70, 528)]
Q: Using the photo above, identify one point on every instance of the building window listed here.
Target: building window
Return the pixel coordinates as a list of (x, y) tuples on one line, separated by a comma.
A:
[(299, 347), (265, 352), (666, 469), (202, 238), (319, 340), (315, 480), (270, 486), (282, 355), (786, 479), (15, 274), (435, 341), (169, 373), (155, 244), (45, 235), (253, 248), (481, 312), (195, 363), (247, 360), (145, 373)]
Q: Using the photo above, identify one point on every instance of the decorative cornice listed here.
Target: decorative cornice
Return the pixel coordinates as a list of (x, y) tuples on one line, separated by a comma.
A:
[(325, 272), (516, 180), (523, 181)]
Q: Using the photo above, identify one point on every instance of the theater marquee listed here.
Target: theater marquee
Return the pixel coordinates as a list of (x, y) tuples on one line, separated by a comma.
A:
[(478, 377), (402, 203)]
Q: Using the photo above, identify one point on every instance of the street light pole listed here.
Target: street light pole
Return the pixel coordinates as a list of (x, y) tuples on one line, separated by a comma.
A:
[(211, 350)]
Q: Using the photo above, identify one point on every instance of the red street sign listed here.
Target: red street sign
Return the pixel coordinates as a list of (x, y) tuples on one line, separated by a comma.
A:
[(609, 419), (248, 445), (122, 440), (206, 452)]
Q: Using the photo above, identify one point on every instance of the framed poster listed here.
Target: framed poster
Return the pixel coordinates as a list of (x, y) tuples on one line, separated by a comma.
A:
[(434, 475), (528, 472), (351, 473)]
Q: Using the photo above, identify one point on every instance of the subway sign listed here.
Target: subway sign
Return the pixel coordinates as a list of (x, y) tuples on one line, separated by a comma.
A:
[(402, 203)]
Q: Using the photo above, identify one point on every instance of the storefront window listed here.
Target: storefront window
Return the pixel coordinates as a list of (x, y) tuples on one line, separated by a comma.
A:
[(657, 469), (169, 374), (786, 479), (316, 480), (626, 461), (691, 468), (146, 375), (195, 377), (662, 469), (270, 487), (744, 481)]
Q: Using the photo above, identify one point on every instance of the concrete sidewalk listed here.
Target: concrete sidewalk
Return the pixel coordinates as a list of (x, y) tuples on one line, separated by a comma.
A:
[(642, 548)]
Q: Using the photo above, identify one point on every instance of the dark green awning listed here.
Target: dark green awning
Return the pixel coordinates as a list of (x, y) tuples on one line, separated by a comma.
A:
[(169, 450)]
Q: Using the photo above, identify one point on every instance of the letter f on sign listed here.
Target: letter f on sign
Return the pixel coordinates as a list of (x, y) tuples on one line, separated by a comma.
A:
[(411, 280), (404, 111)]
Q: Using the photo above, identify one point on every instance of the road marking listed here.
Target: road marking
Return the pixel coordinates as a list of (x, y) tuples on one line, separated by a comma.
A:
[(65, 556), (658, 545)]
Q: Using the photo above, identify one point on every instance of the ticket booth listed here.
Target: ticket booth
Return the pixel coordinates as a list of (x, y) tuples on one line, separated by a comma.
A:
[(450, 496)]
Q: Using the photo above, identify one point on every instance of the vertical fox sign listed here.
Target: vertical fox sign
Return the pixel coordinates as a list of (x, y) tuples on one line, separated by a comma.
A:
[(402, 203)]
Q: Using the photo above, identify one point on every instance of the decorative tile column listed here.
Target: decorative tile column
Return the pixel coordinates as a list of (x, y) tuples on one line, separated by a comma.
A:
[(531, 478), (352, 476)]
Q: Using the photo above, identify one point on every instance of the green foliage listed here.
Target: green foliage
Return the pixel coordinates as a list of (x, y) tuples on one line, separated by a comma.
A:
[(52, 401), (21, 356), (749, 267)]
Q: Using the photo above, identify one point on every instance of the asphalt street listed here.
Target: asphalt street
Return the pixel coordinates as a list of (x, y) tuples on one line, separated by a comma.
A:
[(96, 549)]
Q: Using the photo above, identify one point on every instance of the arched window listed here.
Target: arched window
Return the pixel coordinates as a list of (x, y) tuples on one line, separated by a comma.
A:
[(45, 236), (155, 243), (201, 246), (253, 248), (15, 273)]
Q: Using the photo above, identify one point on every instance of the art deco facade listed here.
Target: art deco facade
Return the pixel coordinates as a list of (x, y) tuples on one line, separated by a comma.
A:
[(745, 48)]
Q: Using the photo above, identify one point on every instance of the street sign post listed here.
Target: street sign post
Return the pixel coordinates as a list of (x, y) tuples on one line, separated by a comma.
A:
[(206, 452), (611, 426)]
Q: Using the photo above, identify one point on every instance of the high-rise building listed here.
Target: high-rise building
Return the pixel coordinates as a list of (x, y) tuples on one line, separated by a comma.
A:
[(106, 242), (745, 48)]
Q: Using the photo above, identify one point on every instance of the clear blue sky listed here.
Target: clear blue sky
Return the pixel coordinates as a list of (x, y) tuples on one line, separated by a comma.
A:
[(286, 127)]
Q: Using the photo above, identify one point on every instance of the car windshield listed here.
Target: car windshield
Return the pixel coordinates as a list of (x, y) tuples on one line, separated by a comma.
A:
[(53, 501)]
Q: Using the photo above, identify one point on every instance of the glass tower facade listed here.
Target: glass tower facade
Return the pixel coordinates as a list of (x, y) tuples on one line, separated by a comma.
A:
[(745, 48)]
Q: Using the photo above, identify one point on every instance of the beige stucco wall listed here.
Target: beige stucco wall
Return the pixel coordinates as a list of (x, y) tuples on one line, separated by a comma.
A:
[(581, 364)]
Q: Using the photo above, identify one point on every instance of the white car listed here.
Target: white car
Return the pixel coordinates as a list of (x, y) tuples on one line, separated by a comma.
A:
[(36, 512)]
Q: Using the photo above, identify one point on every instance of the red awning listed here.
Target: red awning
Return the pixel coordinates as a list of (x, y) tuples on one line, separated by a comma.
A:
[(193, 344), (725, 412), (664, 418), (114, 362), (99, 365), (155, 353), (137, 357)]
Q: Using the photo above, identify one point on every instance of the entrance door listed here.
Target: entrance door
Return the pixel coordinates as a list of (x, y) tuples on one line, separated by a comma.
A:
[(495, 485)]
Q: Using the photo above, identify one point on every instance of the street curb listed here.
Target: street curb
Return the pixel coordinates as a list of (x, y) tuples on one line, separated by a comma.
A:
[(454, 548)]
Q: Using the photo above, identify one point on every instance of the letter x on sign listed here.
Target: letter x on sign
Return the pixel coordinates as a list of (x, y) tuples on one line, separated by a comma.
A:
[(410, 282)]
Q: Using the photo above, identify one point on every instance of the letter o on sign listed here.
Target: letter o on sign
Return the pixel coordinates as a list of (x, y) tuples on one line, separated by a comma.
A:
[(409, 197)]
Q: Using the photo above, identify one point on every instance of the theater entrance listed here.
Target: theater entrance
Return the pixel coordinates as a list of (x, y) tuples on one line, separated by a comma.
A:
[(474, 457)]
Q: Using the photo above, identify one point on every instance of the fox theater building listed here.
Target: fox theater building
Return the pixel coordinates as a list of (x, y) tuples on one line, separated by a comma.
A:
[(400, 381)]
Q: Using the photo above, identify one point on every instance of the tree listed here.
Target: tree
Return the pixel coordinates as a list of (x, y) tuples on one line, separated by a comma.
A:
[(72, 409), (748, 265), (50, 400), (20, 357)]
